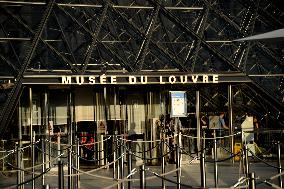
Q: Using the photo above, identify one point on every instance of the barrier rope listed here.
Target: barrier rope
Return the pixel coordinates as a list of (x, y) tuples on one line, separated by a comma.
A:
[(225, 159), (92, 160), (148, 158), (96, 142), (147, 178), (149, 141), (50, 142), (211, 138), (267, 181), (50, 154), (93, 170), (5, 156), (140, 152), (264, 161), (169, 180), (27, 181), (15, 150), (28, 168), (93, 175)]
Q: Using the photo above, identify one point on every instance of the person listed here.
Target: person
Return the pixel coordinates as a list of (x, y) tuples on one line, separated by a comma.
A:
[(222, 125), (222, 121), (256, 129), (90, 147)]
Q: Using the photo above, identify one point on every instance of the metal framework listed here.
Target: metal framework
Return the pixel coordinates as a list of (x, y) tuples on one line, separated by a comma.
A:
[(190, 36)]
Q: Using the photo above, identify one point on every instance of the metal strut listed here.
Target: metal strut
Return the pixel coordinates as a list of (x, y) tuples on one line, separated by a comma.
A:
[(13, 98), (147, 38)]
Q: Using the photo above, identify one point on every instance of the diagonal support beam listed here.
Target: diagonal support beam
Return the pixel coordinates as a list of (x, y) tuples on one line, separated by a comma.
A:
[(233, 24), (15, 69), (140, 58), (200, 31), (13, 49), (126, 65), (73, 68), (65, 40), (142, 34), (210, 48), (13, 98), (94, 38)]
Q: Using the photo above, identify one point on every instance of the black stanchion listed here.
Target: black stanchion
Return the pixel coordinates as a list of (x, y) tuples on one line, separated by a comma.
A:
[(144, 150), (129, 162), (43, 167), (122, 163), (77, 178), (70, 171), (19, 163), (202, 163), (60, 175), (163, 162), (246, 160), (114, 154), (118, 170), (142, 177), (215, 161), (279, 164), (178, 165), (251, 180)]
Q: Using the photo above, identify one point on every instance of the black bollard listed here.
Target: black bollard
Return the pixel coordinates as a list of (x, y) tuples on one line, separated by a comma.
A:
[(251, 180), (163, 163), (215, 161), (60, 175), (178, 165), (144, 151), (77, 178), (70, 171), (279, 164), (43, 167), (142, 177), (129, 162), (114, 155), (202, 163), (19, 164), (246, 160), (122, 163)]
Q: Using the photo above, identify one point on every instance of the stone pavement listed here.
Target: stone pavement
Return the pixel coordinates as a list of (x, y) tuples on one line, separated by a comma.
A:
[(190, 175)]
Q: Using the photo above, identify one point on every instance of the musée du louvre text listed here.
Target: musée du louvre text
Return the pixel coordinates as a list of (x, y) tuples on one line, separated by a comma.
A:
[(131, 79)]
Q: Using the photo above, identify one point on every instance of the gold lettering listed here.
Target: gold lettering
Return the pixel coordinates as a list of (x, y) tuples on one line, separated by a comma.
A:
[(66, 79), (80, 80), (172, 79), (194, 78), (205, 78), (161, 80), (113, 80), (132, 79), (103, 79), (183, 79), (144, 79), (92, 80), (215, 79)]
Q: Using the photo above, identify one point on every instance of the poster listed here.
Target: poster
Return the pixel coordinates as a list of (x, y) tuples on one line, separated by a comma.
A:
[(101, 127), (178, 104)]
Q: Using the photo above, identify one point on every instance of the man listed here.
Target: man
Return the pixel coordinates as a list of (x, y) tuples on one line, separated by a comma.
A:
[(222, 121)]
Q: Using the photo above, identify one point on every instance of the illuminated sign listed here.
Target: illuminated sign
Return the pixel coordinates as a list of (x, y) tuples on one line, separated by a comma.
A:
[(178, 104), (143, 79)]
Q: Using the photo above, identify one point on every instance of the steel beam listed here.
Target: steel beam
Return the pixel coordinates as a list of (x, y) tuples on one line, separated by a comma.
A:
[(12, 100), (94, 38), (142, 34), (81, 5), (42, 40), (140, 58), (127, 66)]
